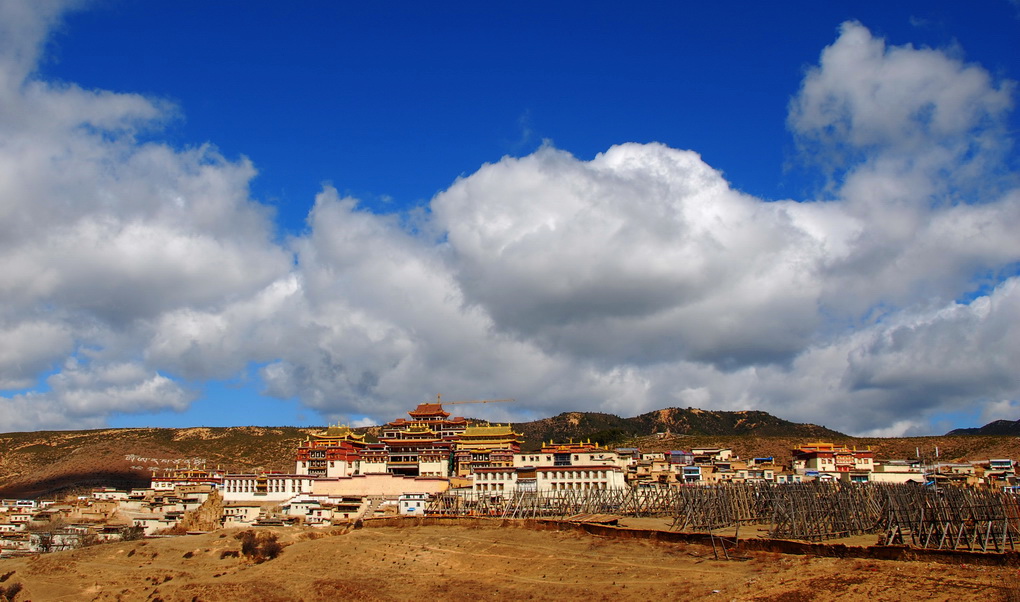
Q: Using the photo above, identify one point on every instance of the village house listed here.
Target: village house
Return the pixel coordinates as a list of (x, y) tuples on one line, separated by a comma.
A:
[(787, 477), (20, 517), (108, 493), (412, 504), (711, 455), (12, 504), (679, 457), (828, 461), (1000, 474), (243, 514), (955, 473), (150, 522), (761, 473), (348, 508), (319, 510), (691, 474), (898, 471)]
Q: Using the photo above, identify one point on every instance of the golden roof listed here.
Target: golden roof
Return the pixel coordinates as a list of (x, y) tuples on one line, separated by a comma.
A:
[(489, 430), (338, 431)]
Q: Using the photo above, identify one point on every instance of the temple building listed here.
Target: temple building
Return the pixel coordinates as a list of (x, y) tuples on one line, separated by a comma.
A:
[(416, 450), (422, 446), (335, 453), (485, 446), (429, 444), (430, 415)]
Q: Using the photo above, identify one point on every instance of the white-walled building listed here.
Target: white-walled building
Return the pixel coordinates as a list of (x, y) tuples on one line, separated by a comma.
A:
[(505, 481), (265, 487), (242, 514), (412, 504), (571, 454), (898, 471)]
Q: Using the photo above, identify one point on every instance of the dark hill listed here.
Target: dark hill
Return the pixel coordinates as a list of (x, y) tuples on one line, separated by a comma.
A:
[(1002, 428), (609, 429)]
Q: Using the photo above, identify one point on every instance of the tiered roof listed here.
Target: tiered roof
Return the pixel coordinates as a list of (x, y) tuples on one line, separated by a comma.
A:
[(493, 436), (571, 447), (427, 410), (336, 436)]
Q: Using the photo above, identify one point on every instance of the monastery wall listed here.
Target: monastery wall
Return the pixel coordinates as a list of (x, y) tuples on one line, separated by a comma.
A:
[(378, 484)]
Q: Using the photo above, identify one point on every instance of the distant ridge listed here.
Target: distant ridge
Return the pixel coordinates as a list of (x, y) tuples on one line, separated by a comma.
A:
[(1002, 428), (47, 462), (610, 429), (41, 463)]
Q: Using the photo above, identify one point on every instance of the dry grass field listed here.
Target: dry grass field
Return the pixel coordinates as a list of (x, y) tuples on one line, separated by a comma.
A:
[(446, 562)]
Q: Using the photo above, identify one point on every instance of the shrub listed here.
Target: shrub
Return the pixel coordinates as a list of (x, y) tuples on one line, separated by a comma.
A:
[(10, 592), (270, 548), (259, 547)]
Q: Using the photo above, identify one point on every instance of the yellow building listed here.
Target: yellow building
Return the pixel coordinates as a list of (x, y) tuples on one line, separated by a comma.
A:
[(485, 446)]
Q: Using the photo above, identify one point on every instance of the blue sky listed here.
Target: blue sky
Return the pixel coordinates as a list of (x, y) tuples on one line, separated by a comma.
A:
[(447, 214), (350, 93)]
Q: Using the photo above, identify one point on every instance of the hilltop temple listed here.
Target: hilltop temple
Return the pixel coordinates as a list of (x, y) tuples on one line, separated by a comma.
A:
[(427, 453), (430, 444)]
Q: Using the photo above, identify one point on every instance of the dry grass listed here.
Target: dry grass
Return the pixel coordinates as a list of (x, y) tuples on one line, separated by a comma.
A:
[(442, 562)]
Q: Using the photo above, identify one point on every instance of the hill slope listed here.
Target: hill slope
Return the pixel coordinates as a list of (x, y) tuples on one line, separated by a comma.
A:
[(38, 463), (611, 430), (1009, 428)]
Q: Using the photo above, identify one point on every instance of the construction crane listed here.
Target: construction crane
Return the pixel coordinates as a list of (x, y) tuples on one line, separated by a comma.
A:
[(440, 401)]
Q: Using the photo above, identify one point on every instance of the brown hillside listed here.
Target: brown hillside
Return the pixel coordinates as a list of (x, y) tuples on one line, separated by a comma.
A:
[(481, 561), (43, 463), (40, 463)]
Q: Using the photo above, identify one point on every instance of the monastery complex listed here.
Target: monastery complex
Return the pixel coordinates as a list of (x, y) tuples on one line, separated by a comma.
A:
[(342, 476), (429, 453)]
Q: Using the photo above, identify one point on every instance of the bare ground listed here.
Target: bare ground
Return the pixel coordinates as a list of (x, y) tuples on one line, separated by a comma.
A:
[(442, 562)]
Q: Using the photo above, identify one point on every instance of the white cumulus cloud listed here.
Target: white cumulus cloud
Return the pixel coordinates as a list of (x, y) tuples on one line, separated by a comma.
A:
[(136, 271)]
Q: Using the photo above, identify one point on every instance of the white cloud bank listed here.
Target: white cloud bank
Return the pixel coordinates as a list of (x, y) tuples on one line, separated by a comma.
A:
[(640, 279)]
